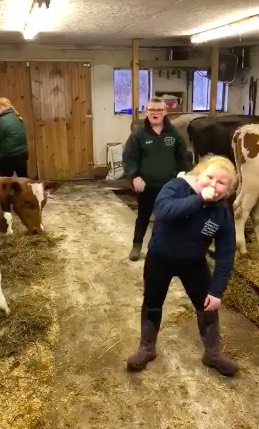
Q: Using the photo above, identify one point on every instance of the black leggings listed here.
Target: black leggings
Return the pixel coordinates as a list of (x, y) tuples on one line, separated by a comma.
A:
[(146, 201), (17, 164), (158, 273)]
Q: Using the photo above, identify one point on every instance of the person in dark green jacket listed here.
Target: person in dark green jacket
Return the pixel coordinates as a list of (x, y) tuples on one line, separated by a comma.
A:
[(13, 143), (153, 155)]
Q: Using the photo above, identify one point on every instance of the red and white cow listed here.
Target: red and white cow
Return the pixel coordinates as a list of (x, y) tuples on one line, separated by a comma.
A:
[(26, 198), (245, 144)]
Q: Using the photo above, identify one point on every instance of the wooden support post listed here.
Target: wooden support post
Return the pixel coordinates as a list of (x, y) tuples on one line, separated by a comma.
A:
[(214, 79), (135, 79)]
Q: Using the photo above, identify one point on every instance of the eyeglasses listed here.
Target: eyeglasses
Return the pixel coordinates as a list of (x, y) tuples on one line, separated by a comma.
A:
[(155, 110)]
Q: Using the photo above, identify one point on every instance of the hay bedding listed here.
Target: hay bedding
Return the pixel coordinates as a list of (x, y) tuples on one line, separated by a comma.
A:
[(242, 294), (27, 335)]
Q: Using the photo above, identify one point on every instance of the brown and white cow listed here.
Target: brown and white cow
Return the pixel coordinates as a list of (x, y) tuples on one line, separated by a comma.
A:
[(5, 228), (245, 145), (26, 198)]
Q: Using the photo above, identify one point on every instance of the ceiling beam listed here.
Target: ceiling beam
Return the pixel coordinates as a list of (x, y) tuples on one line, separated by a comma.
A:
[(135, 79), (194, 64)]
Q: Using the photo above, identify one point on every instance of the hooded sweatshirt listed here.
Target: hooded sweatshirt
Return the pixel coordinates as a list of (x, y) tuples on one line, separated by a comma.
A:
[(185, 226), (155, 158)]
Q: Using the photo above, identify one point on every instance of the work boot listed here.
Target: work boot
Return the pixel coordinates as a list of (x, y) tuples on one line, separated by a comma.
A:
[(208, 323), (147, 348), (135, 252)]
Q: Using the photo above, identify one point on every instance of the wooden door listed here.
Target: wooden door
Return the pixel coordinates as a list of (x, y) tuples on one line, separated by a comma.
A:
[(62, 107), (15, 85)]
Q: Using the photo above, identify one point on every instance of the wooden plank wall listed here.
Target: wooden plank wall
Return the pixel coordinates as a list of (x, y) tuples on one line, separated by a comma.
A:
[(55, 100), (15, 85), (61, 95)]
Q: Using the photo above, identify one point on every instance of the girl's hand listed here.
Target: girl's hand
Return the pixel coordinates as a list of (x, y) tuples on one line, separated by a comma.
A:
[(208, 193), (212, 303)]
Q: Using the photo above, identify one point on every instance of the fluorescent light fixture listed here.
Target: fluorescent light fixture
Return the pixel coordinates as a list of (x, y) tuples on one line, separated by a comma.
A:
[(38, 20), (237, 28)]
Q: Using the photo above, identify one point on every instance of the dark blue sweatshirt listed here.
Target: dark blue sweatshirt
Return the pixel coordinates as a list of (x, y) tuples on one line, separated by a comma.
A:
[(185, 226)]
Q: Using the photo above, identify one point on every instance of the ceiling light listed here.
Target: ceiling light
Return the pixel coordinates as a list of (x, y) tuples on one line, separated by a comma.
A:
[(38, 19), (237, 28)]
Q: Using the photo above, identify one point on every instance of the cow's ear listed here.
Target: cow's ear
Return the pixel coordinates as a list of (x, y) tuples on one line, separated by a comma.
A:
[(51, 186), (15, 187)]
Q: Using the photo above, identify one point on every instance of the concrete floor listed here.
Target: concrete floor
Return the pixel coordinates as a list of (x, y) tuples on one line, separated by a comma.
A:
[(98, 298)]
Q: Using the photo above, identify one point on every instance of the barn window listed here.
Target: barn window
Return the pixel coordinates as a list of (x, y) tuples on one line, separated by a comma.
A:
[(201, 93), (122, 90)]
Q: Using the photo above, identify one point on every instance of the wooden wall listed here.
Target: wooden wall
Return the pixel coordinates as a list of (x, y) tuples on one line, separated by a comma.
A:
[(55, 100), (15, 85)]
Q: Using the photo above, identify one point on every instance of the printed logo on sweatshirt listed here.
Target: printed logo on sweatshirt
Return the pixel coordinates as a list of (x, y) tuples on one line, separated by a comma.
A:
[(169, 141), (149, 141), (210, 228)]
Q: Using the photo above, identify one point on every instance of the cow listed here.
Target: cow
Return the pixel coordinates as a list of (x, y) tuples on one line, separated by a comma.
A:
[(245, 144), (182, 122), (27, 198), (213, 135), (5, 228)]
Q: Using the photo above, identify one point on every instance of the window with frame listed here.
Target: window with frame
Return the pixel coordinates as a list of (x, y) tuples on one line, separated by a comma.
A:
[(201, 93), (123, 91)]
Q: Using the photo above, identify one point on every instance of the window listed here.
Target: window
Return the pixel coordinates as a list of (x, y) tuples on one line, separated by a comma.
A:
[(122, 90), (201, 93)]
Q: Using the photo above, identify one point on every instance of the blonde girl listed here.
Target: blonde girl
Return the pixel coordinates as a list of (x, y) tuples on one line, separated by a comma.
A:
[(190, 212)]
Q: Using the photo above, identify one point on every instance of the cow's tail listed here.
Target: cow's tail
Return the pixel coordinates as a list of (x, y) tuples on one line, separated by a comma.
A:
[(237, 148)]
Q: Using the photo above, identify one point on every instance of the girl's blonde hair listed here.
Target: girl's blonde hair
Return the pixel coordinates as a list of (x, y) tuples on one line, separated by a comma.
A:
[(216, 161), (4, 102)]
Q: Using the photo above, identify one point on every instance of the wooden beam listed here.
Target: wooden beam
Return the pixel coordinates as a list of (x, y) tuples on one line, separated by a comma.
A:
[(135, 79), (214, 79), (194, 64)]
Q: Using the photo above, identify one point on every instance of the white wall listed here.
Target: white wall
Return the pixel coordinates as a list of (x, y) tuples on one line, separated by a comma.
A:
[(254, 71), (239, 89), (235, 103)]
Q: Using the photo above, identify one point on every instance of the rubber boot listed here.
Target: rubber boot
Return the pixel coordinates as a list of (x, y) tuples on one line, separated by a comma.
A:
[(135, 252), (208, 323), (147, 348)]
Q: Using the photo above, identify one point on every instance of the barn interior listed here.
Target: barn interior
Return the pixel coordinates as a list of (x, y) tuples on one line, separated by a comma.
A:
[(80, 73)]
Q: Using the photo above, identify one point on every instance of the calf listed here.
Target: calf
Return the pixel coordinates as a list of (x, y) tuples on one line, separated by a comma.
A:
[(27, 198), (245, 145)]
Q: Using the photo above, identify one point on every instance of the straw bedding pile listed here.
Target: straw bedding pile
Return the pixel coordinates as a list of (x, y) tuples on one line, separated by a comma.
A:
[(24, 262), (29, 333), (242, 294)]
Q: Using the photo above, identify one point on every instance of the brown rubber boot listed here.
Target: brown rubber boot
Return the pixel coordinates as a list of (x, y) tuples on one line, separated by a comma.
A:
[(147, 348), (135, 252), (208, 323)]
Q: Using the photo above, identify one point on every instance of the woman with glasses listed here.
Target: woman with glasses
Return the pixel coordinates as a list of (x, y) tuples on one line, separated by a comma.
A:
[(153, 155)]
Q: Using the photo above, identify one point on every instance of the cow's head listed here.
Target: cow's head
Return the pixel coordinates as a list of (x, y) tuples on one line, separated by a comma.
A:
[(27, 198)]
